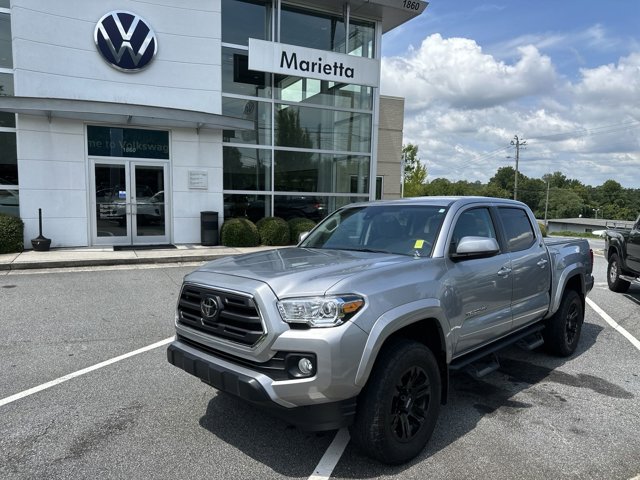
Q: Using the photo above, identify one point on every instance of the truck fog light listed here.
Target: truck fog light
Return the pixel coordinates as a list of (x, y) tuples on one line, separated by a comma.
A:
[(305, 366), (300, 365)]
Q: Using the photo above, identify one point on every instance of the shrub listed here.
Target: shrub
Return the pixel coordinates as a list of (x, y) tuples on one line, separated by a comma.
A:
[(543, 229), (298, 226), (239, 232), (11, 234), (273, 231)]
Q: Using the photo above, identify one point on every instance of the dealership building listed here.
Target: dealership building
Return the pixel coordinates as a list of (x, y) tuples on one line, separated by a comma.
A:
[(124, 120)]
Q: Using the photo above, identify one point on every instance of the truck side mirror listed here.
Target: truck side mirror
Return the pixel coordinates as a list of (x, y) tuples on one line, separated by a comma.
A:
[(471, 247)]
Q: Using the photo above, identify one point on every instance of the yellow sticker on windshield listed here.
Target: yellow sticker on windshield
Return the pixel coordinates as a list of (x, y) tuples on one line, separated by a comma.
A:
[(419, 244)]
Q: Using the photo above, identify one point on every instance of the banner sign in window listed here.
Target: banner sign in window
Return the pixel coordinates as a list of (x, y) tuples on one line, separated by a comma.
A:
[(127, 142), (311, 63)]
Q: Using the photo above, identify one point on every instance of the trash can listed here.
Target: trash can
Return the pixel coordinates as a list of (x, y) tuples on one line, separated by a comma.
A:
[(209, 228)]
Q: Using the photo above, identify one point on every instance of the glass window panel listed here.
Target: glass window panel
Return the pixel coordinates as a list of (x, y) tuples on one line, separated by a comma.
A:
[(246, 168), (300, 206), (6, 85), (253, 207), (5, 3), (244, 19), (361, 38), (324, 129), (10, 202), (6, 59), (8, 159), (7, 120), (315, 172), (322, 92), (238, 79), (127, 142), (311, 29), (258, 112)]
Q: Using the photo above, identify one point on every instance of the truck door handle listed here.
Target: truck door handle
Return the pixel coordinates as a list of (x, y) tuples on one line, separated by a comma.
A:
[(504, 271), (542, 263)]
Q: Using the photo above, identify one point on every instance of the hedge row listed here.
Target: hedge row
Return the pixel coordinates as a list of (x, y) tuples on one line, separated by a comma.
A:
[(11, 234), (272, 231)]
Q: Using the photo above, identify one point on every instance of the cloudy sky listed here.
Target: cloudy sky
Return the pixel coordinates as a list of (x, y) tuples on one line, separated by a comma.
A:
[(564, 75)]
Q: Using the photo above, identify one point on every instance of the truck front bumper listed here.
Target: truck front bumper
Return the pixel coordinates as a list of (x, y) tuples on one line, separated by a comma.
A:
[(257, 389)]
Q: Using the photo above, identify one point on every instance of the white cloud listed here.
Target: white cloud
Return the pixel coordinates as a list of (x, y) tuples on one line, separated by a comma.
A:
[(464, 106), (456, 72)]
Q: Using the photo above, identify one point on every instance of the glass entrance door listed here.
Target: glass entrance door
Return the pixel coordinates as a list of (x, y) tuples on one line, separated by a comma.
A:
[(129, 203)]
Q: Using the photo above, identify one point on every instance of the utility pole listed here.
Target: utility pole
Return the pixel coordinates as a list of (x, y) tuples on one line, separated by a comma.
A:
[(518, 144)]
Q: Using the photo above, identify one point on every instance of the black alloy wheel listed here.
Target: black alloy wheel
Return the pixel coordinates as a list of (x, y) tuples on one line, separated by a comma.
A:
[(410, 404)]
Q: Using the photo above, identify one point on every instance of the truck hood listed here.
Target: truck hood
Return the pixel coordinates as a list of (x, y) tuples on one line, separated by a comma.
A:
[(301, 271)]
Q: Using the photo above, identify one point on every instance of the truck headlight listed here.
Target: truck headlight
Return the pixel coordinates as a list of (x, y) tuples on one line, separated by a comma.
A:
[(320, 311)]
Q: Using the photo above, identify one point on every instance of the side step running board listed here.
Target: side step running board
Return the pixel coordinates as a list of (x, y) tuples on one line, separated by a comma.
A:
[(479, 355), (483, 366), (531, 342)]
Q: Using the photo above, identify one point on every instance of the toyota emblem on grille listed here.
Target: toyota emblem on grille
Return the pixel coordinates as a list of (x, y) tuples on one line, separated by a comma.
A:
[(209, 308), (125, 41)]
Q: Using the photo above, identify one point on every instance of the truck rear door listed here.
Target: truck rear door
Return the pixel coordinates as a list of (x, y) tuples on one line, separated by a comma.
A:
[(531, 268)]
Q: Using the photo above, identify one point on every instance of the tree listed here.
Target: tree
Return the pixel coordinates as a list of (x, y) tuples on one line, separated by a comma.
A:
[(415, 173)]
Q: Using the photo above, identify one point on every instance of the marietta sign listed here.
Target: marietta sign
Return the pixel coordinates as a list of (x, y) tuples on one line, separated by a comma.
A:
[(311, 63)]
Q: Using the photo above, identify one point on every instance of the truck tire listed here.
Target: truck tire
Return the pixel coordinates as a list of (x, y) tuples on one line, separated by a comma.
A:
[(616, 284), (562, 333), (399, 407)]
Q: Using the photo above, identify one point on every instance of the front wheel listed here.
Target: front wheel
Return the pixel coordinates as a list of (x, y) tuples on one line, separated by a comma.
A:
[(562, 333), (399, 407), (616, 284)]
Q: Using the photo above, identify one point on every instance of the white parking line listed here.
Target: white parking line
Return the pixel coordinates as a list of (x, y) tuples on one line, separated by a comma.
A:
[(331, 457), (634, 341), (57, 381)]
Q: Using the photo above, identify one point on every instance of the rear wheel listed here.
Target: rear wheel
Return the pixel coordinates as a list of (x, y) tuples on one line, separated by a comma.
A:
[(562, 333), (398, 409), (616, 284)]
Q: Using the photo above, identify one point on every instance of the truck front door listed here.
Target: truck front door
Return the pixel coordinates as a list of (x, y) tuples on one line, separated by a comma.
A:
[(477, 292), (633, 248)]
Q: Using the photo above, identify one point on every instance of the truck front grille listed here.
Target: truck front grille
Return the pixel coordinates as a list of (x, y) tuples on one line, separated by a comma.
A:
[(231, 316)]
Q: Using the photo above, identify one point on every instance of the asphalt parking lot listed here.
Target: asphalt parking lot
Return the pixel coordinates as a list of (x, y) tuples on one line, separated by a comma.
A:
[(138, 417)]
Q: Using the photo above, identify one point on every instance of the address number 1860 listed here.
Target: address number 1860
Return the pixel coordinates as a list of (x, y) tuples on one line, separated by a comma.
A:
[(411, 5)]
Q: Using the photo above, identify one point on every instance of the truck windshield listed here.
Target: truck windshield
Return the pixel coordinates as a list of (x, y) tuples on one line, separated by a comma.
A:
[(396, 229)]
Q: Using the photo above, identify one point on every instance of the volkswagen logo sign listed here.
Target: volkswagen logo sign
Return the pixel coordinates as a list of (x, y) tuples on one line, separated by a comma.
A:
[(209, 308), (125, 41)]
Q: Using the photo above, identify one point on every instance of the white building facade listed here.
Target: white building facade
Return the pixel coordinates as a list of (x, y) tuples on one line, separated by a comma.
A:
[(124, 120)]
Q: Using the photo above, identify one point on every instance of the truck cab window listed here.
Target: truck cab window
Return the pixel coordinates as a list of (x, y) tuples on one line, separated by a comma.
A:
[(518, 229)]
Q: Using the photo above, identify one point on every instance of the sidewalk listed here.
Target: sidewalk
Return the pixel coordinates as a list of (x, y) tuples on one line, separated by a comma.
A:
[(98, 256)]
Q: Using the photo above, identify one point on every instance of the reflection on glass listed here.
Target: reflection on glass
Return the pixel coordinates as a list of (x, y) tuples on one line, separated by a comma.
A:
[(253, 207), (7, 120), (8, 159), (238, 79), (306, 127), (6, 85), (322, 92), (315, 172), (111, 200), (246, 168), (257, 112), (6, 59), (244, 19), (150, 206), (361, 38), (10, 202), (311, 29), (302, 206)]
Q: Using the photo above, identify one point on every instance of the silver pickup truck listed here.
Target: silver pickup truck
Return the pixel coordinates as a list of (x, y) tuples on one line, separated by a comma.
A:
[(361, 323)]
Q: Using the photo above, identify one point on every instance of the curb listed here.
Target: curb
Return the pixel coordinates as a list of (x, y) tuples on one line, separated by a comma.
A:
[(108, 262)]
